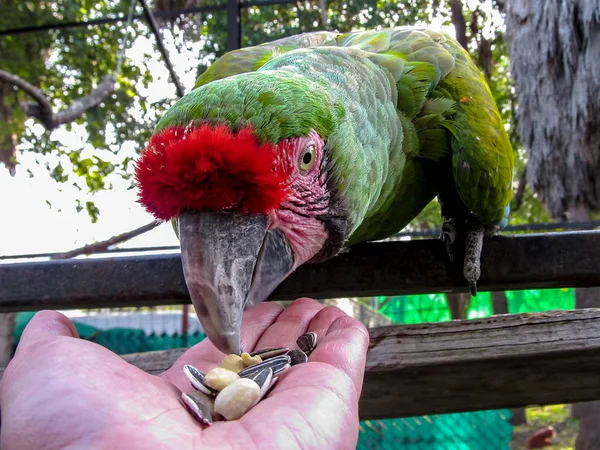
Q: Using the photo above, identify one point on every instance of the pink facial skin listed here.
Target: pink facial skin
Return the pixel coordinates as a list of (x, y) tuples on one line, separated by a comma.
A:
[(298, 214)]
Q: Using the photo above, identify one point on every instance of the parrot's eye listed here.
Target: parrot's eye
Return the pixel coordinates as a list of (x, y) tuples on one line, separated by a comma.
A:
[(308, 158)]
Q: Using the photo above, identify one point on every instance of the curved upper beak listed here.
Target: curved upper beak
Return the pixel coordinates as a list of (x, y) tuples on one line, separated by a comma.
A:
[(230, 262)]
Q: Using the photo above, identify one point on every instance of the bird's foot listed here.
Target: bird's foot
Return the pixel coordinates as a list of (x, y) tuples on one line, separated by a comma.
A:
[(448, 235), (473, 247)]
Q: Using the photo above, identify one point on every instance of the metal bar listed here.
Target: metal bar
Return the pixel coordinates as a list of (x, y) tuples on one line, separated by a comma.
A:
[(234, 25), (107, 20), (549, 226), (250, 3), (163, 51), (388, 268), (123, 18)]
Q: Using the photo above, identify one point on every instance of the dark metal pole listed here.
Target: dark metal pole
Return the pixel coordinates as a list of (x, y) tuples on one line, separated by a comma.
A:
[(163, 51), (107, 20), (234, 25)]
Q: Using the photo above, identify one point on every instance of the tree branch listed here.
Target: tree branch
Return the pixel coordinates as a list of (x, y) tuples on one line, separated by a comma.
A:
[(42, 110), (520, 190), (82, 104), (34, 92), (324, 13), (97, 247), (484, 48)]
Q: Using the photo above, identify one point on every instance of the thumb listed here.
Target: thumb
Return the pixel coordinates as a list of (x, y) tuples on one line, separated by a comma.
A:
[(44, 325)]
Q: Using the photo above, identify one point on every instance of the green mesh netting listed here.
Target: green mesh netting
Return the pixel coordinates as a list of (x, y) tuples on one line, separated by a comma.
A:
[(472, 431), (409, 309), (478, 430), (121, 340)]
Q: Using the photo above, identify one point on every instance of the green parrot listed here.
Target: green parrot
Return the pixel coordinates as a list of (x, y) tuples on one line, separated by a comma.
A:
[(288, 152)]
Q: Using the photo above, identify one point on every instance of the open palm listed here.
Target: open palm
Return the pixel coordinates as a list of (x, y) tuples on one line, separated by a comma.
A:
[(62, 392)]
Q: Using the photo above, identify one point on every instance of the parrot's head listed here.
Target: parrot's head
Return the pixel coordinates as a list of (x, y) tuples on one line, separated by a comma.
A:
[(248, 212)]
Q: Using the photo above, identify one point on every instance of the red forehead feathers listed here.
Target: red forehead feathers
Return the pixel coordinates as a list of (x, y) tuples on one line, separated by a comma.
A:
[(208, 167)]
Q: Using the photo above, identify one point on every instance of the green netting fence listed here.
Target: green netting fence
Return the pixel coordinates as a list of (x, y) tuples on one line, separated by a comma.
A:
[(482, 430)]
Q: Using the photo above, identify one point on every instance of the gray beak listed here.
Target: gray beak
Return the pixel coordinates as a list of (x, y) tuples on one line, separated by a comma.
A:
[(230, 262)]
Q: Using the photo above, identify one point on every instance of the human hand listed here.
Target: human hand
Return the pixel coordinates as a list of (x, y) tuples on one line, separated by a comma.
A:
[(63, 392)]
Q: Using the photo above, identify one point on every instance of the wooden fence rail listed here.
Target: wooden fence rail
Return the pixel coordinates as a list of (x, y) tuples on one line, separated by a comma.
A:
[(388, 268), (497, 362)]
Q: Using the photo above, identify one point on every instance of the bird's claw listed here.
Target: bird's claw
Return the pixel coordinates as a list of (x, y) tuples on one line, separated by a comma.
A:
[(473, 288), (473, 247)]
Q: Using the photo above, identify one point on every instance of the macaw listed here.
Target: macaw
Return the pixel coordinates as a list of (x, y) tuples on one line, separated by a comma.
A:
[(288, 152)]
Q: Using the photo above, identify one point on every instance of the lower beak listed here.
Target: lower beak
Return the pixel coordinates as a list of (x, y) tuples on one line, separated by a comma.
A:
[(230, 262)]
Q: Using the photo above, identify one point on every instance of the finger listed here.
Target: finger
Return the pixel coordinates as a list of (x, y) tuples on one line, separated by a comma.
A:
[(205, 355), (323, 320), (290, 324), (44, 325), (345, 347)]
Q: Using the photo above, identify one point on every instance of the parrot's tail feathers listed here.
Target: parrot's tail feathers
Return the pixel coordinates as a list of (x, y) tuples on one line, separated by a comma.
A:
[(433, 144), (504, 220)]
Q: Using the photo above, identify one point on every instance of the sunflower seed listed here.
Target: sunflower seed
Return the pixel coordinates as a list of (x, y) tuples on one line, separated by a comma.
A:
[(196, 377), (237, 398), (307, 342), (278, 364), (268, 353), (219, 378), (233, 363), (201, 405), (297, 357), (248, 360), (263, 379)]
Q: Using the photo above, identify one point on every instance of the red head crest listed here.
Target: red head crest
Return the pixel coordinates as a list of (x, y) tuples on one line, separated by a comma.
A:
[(209, 167)]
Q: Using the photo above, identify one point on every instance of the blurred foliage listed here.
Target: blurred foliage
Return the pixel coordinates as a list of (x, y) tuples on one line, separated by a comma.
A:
[(539, 417), (68, 63)]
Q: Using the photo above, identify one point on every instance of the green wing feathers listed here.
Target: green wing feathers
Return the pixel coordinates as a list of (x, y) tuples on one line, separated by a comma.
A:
[(250, 59), (482, 156)]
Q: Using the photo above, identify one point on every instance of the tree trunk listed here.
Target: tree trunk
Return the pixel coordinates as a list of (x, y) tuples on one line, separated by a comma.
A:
[(458, 305), (554, 47), (519, 417), (7, 329), (460, 25), (499, 303)]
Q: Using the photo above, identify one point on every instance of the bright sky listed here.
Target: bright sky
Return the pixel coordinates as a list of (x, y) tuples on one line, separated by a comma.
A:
[(29, 225)]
